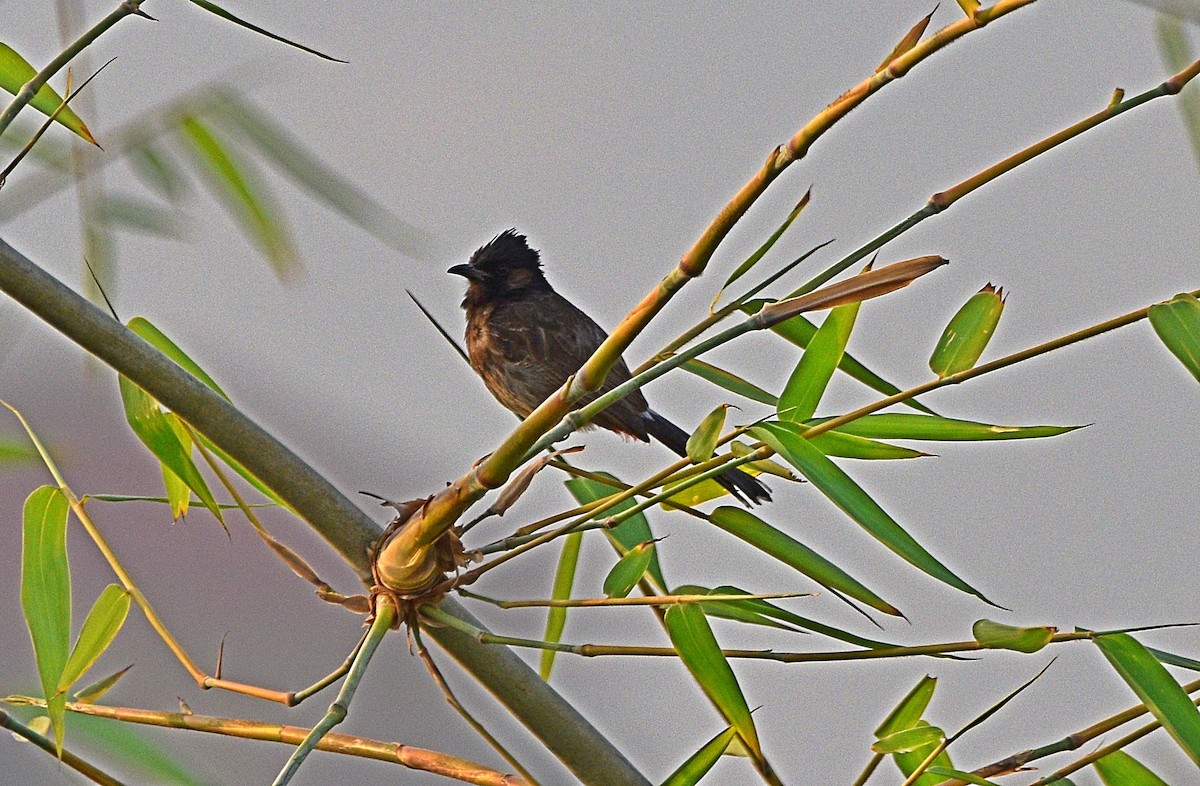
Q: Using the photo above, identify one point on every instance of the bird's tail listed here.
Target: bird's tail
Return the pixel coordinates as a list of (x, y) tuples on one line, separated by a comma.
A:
[(740, 484)]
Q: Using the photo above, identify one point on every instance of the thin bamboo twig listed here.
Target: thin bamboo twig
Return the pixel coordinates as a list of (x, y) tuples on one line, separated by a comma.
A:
[(83, 767), (30, 88)]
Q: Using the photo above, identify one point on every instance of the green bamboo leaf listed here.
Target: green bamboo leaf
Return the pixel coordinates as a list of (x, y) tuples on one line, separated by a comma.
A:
[(278, 144), (46, 594), (250, 204), (997, 635), (908, 740), (968, 333), (835, 484), (564, 581), (153, 427), (808, 381), (1155, 687), (15, 71), (179, 495), (703, 441), (908, 761), (968, 777), (750, 528), (92, 693), (700, 653), (799, 331), (753, 259), (16, 451), (629, 570), (1120, 769), (99, 629), (908, 712), (729, 381), (755, 611), (699, 763), (769, 466), (1171, 659), (630, 532), (905, 425), (156, 170), (1177, 323), (842, 445), (213, 8), (135, 750)]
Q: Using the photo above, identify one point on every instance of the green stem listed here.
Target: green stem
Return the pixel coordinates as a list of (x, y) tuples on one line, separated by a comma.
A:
[(30, 88)]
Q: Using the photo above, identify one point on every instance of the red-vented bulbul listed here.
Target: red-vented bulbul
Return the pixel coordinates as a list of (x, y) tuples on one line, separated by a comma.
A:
[(524, 339)]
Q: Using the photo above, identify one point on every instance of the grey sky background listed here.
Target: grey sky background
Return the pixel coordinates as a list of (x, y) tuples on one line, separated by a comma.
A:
[(611, 134)]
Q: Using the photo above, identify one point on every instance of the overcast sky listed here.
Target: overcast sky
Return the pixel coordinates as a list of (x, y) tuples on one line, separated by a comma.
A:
[(611, 133)]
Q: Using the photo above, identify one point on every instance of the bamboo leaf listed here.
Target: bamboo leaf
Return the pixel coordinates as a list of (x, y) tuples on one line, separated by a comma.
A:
[(908, 712), (968, 333), (799, 331), (46, 594), (904, 425), (99, 629), (808, 381), (842, 445), (630, 532), (911, 39), (1156, 688), (750, 528), (768, 466), (968, 777), (729, 381), (213, 8), (907, 740), (556, 616), (139, 215), (92, 693), (700, 653), (703, 441), (1120, 769), (835, 484), (629, 570), (699, 763), (153, 427), (250, 204), (15, 71), (753, 259), (1177, 323), (996, 635)]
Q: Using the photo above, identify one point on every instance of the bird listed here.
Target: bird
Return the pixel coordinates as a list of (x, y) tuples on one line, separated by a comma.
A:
[(524, 340)]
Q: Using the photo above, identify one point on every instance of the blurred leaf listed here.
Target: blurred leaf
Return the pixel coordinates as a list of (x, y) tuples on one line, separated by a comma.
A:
[(328, 185), (703, 441), (15, 71), (700, 653), (46, 593), (156, 170), (16, 451), (910, 709), (799, 331), (1120, 769), (729, 381), (753, 259), (135, 750), (629, 570), (700, 762), (996, 635), (251, 205), (910, 739), (750, 528), (630, 532), (1177, 54), (139, 215), (221, 12), (904, 425), (556, 616), (1156, 688), (99, 629), (155, 430), (92, 693), (755, 611), (969, 777), (968, 333), (808, 381), (911, 39), (842, 445), (835, 484), (1177, 323)]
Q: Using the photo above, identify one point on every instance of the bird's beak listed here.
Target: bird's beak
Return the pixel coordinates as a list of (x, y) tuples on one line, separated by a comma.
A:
[(467, 271)]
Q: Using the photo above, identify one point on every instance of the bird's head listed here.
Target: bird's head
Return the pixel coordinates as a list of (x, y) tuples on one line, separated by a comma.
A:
[(504, 267)]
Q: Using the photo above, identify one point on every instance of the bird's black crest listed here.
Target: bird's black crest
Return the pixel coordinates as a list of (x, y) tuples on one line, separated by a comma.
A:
[(507, 249)]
